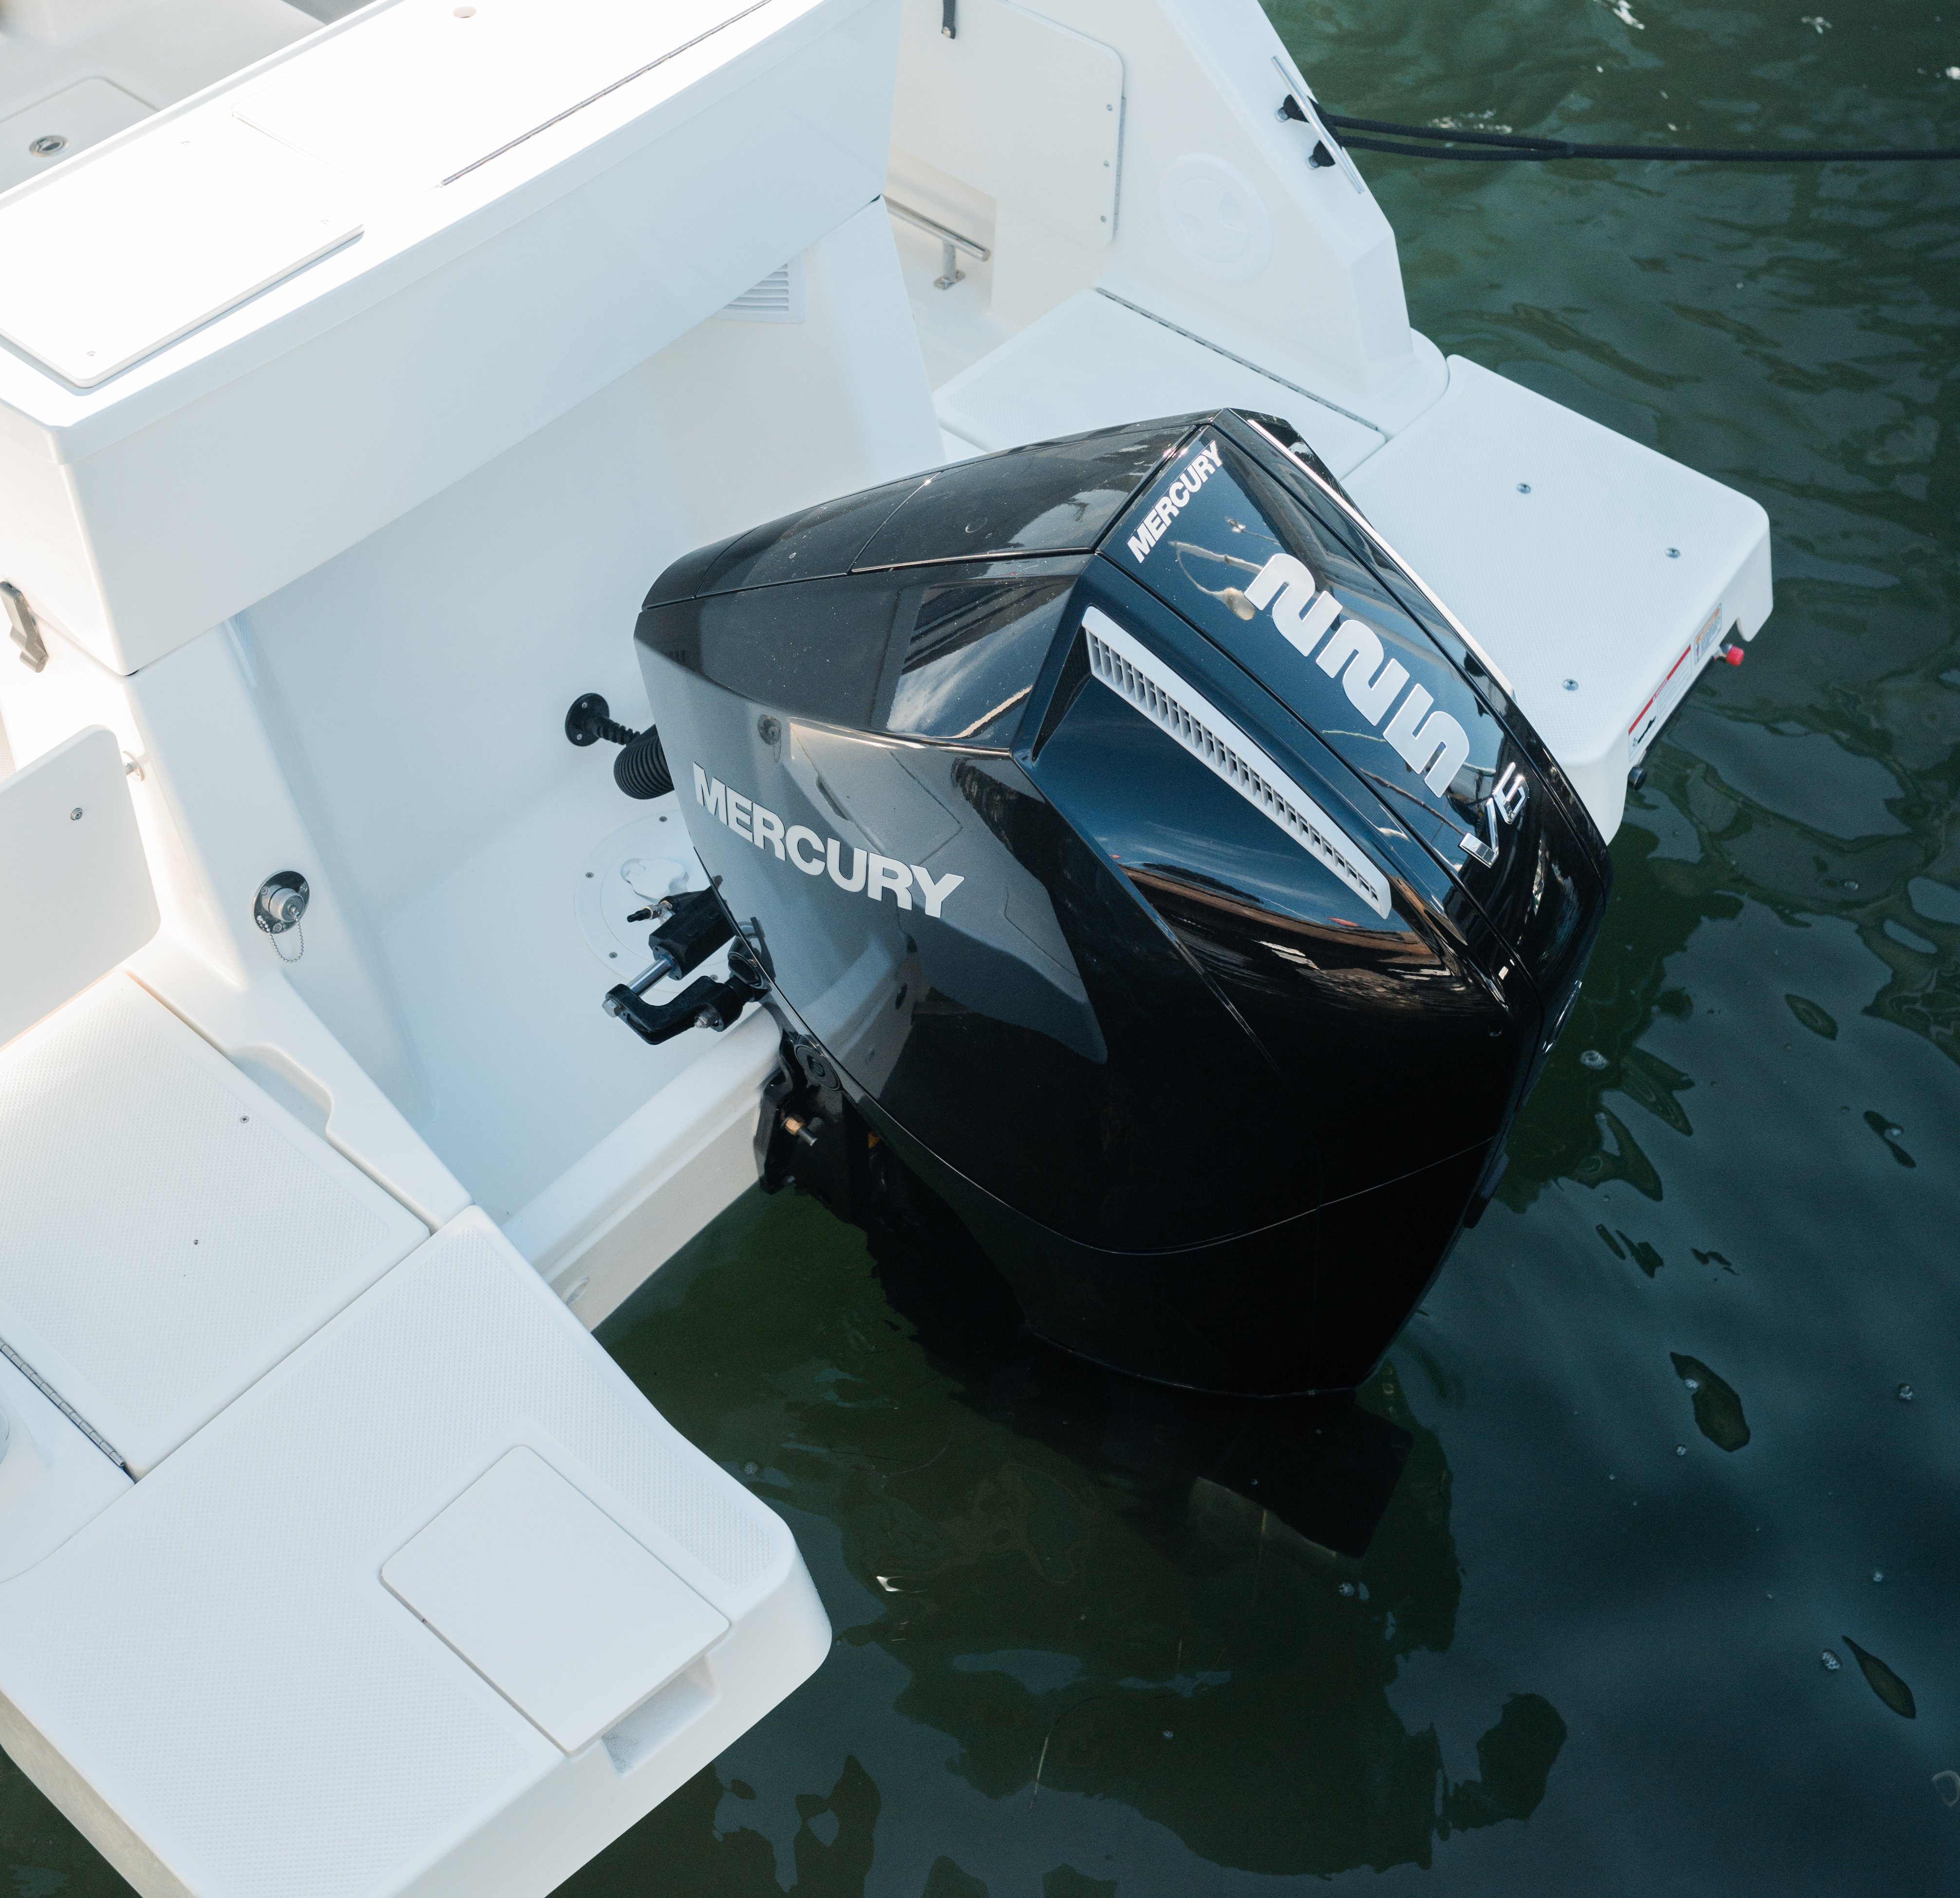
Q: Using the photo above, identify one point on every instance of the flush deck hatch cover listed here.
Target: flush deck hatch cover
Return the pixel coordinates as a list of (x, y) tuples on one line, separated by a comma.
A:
[(570, 1619)]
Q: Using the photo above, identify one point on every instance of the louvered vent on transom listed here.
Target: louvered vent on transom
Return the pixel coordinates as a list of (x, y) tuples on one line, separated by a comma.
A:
[(778, 298)]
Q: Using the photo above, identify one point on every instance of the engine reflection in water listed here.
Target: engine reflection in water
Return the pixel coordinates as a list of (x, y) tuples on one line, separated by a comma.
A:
[(1066, 1586)]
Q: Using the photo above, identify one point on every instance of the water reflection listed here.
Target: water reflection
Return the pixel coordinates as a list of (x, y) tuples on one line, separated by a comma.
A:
[(1093, 1589)]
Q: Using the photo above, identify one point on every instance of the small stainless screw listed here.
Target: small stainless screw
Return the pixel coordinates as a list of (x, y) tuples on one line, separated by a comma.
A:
[(1524, 487), (1572, 685), (75, 816), (46, 148), (1674, 553)]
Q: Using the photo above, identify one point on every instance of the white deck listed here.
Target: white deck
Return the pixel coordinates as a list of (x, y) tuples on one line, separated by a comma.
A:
[(171, 1232), (1574, 555), (1082, 365), (320, 1737)]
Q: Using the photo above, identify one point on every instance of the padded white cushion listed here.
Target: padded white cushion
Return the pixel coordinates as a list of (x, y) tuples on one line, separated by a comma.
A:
[(75, 895), (171, 1232)]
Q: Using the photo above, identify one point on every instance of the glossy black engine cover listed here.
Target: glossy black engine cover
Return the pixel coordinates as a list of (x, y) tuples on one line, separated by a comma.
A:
[(1141, 923)]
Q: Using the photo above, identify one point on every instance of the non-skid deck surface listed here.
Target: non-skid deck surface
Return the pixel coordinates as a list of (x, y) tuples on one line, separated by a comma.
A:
[(170, 1231)]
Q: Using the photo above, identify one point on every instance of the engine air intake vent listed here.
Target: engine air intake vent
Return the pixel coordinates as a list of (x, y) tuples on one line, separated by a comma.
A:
[(1137, 676)]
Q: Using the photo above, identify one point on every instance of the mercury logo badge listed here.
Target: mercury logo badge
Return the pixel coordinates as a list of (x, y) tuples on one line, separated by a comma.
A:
[(1200, 469), (870, 874)]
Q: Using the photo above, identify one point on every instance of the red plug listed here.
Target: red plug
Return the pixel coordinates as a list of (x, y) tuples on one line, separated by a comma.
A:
[(1734, 654)]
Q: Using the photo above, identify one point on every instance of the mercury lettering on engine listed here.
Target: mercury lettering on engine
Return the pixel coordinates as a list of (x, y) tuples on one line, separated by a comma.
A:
[(869, 874), (1204, 465)]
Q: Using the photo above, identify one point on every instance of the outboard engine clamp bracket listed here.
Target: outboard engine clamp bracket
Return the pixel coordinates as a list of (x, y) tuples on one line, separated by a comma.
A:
[(696, 924)]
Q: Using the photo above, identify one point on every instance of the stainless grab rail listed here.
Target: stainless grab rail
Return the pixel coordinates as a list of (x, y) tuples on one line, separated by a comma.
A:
[(951, 243)]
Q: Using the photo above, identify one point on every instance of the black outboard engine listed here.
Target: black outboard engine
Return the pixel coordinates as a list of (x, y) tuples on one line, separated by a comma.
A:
[(1139, 853)]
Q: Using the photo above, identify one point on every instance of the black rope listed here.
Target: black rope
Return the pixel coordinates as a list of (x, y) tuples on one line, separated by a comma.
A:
[(1502, 147)]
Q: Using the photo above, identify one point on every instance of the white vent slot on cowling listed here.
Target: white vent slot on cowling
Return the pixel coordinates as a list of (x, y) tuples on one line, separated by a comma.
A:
[(1139, 677), (778, 298)]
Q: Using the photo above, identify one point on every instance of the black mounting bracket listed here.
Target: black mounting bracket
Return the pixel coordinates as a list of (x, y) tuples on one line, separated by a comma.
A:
[(809, 1136), (695, 925), (704, 1004)]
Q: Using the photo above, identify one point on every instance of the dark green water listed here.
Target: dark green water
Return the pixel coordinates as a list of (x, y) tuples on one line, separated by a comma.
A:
[(1082, 1646)]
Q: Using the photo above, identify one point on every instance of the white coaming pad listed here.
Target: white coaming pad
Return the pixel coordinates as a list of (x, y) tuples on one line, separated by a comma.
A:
[(170, 1231), (78, 898), (214, 1681), (1571, 553), (1093, 362)]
